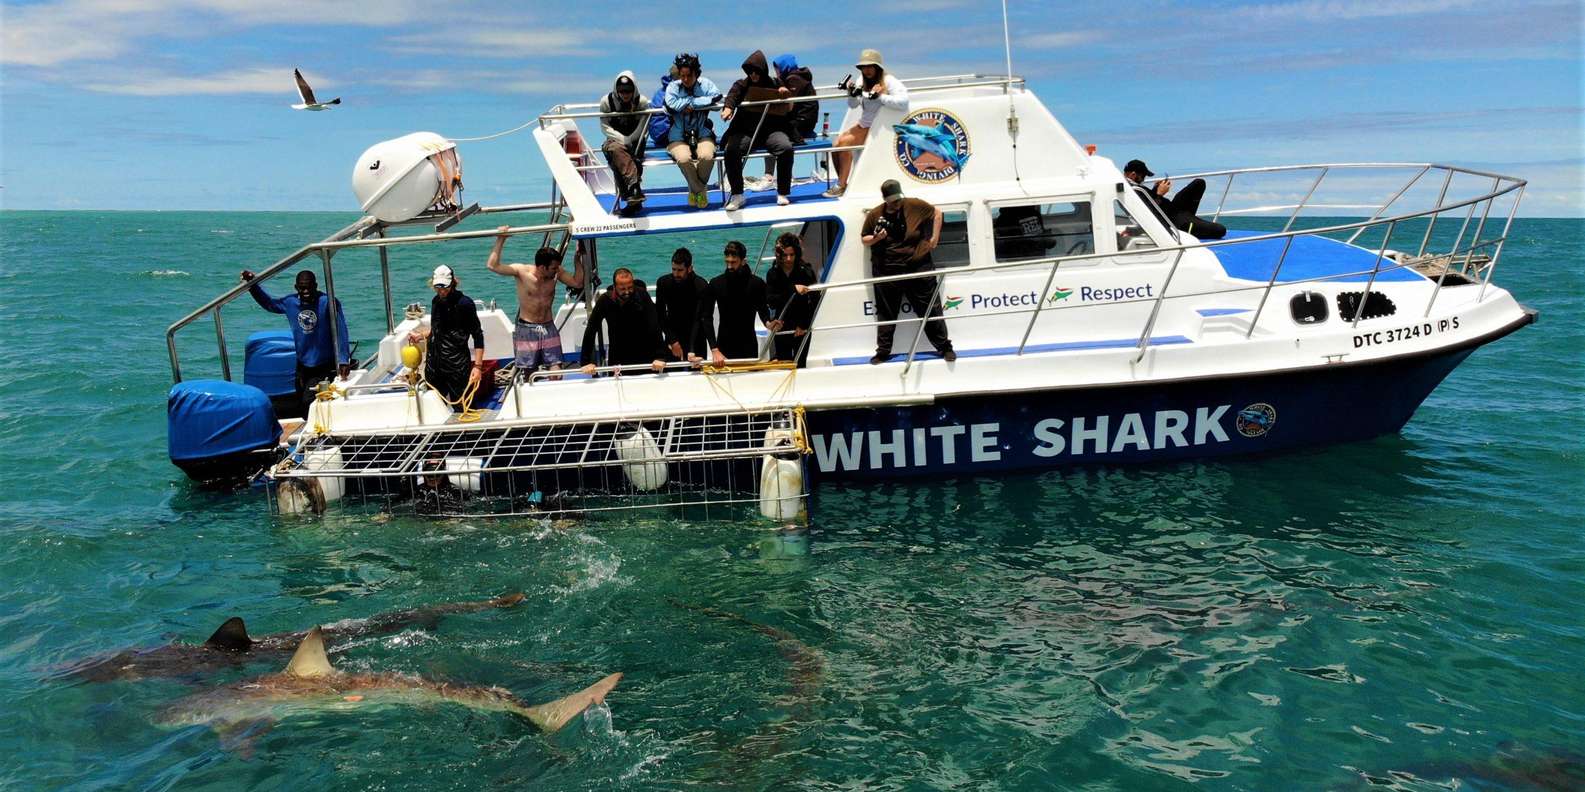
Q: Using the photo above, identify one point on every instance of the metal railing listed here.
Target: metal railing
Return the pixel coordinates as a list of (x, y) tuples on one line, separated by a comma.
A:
[(1466, 256)]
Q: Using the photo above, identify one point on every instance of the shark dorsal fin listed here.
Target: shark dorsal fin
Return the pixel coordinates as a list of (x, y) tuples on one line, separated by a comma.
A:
[(231, 636), (310, 659)]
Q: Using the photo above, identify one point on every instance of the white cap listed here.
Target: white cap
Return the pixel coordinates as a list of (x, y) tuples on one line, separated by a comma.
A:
[(443, 276)]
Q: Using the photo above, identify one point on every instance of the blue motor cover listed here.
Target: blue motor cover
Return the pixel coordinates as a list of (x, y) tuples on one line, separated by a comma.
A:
[(271, 364), (213, 418)]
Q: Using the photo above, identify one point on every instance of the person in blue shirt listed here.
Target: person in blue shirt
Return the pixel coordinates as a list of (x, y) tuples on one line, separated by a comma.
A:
[(691, 139), (305, 309)]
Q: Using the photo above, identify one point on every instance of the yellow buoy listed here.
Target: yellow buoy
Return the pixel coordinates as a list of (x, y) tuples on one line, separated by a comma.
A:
[(410, 356)]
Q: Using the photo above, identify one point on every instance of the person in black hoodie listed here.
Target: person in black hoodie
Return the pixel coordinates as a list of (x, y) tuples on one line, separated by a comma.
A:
[(678, 297), (801, 118), (738, 295), (632, 330), (763, 126), (792, 309)]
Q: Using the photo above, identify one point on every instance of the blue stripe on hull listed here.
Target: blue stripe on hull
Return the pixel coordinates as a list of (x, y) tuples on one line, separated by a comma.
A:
[(1120, 425)]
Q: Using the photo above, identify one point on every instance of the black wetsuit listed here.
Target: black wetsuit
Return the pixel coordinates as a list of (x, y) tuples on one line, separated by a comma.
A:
[(738, 295), (453, 321), (678, 303), (632, 335), (796, 311), (1182, 208)]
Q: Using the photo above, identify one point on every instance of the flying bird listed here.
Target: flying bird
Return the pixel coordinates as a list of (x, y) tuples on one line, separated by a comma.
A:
[(308, 96)]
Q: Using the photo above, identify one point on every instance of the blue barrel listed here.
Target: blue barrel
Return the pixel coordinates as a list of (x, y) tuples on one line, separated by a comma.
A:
[(220, 431), (271, 363)]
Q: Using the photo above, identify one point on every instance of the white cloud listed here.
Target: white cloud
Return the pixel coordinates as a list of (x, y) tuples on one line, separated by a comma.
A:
[(256, 80), (48, 34), (1333, 10), (485, 41), (1069, 38)]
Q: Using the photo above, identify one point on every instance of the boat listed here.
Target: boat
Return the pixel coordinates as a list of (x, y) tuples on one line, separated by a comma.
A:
[(1088, 329)]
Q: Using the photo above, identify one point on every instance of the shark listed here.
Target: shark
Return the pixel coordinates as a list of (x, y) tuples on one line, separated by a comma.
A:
[(230, 646), (310, 684), (933, 140)]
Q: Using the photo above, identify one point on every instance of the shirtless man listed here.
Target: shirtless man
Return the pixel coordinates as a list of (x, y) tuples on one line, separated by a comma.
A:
[(535, 339)]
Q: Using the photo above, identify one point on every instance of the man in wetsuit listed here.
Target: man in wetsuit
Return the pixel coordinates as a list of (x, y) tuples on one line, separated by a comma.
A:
[(453, 322), (791, 304), (306, 308), (632, 335), (900, 234), (1180, 208), (738, 295), (536, 341), (678, 297)]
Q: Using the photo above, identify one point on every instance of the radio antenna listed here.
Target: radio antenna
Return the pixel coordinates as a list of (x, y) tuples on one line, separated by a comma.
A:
[(1007, 87)]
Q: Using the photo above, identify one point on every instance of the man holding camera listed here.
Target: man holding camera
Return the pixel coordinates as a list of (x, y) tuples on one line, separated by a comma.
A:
[(900, 234), (1180, 209)]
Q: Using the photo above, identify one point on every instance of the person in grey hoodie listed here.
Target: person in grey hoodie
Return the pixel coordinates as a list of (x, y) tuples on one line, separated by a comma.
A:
[(624, 137)]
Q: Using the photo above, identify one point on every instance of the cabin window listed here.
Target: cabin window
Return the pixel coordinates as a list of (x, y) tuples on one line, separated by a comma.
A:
[(1130, 235), (952, 250), (1046, 230)]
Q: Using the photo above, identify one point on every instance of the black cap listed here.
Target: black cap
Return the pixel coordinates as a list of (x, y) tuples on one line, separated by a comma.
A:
[(1137, 166), (891, 189)]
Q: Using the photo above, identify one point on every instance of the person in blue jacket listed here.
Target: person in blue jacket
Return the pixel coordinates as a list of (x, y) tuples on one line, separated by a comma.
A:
[(305, 309), (660, 123), (691, 140)]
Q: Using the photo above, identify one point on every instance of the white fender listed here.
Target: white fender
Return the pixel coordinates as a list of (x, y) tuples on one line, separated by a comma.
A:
[(468, 481), (636, 450), (781, 481), (321, 459)]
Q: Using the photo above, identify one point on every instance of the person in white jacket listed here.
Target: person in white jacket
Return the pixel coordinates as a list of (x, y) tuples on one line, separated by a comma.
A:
[(624, 137), (879, 90)]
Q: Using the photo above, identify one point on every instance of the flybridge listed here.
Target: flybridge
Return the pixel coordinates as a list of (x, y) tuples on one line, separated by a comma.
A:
[(1087, 328)]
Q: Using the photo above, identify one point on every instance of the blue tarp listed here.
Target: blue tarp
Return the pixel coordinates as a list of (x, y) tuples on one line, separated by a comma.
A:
[(212, 418), (271, 362), (1310, 257)]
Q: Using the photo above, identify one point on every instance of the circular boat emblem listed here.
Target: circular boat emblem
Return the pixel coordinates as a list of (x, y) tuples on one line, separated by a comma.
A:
[(932, 145), (307, 319), (1256, 419)]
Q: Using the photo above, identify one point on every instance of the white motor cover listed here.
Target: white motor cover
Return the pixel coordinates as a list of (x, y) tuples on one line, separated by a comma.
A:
[(395, 180)]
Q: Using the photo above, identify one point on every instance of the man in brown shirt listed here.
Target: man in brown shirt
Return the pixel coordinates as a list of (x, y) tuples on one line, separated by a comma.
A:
[(900, 234)]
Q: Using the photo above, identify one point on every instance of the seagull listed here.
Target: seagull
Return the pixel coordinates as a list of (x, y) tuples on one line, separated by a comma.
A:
[(308, 96)]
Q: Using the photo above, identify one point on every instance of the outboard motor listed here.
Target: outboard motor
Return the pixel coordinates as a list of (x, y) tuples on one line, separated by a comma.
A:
[(271, 366), (221, 432)]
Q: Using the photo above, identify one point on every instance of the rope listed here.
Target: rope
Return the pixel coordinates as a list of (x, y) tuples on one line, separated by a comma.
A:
[(525, 125)]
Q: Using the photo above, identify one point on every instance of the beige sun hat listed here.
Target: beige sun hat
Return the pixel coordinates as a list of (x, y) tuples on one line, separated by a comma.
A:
[(870, 57)]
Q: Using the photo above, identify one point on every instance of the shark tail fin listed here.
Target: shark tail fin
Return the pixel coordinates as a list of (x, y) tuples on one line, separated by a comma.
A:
[(508, 600), (231, 636), (310, 659), (551, 716)]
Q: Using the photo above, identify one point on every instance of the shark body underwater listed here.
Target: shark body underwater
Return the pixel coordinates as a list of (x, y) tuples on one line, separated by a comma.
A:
[(309, 684), (230, 646)]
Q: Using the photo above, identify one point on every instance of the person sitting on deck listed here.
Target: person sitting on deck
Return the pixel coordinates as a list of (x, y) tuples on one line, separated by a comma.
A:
[(453, 322), (737, 295), (792, 307), (1181, 208), (624, 138), (801, 118), (691, 139), (632, 335), (536, 341), (305, 308), (759, 126), (660, 123), (879, 90), (678, 298)]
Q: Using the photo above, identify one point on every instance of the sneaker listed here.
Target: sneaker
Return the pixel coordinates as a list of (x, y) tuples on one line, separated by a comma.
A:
[(949, 356), (694, 200), (782, 200), (880, 357), (734, 203), (758, 184), (835, 192)]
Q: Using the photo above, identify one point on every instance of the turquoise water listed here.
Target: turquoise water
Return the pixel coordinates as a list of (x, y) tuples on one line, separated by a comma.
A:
[(1403, 612)]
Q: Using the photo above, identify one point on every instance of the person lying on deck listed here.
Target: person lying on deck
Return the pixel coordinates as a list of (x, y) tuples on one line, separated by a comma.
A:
[(1181, 208)]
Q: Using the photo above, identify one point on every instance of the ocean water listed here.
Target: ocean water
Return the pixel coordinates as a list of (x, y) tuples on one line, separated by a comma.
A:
[(1403, 613)]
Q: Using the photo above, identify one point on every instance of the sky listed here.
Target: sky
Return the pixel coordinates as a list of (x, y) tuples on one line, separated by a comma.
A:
[(183, 104)]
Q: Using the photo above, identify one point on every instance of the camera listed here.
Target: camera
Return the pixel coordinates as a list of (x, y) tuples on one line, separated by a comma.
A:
[(847, 85), (894, 229)]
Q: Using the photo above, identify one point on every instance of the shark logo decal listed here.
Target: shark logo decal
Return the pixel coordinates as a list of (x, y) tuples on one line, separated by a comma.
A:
[(932, 145)]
